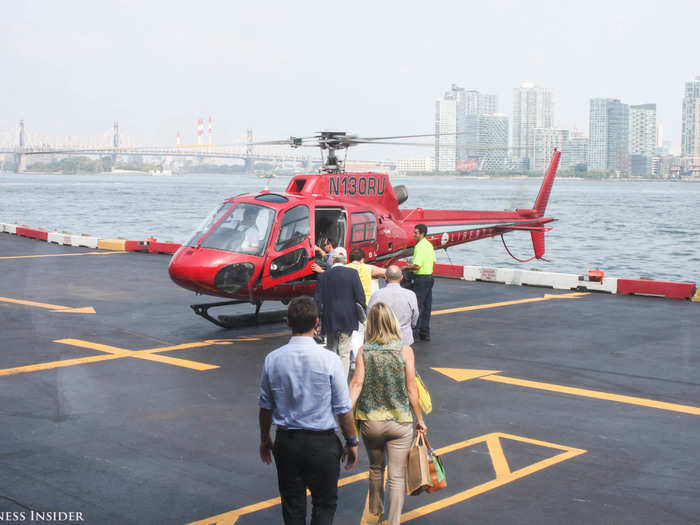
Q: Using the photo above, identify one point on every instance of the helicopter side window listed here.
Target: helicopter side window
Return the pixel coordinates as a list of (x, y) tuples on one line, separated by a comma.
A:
[(246, 229), (294, 228), (208, 222), (364, 228)]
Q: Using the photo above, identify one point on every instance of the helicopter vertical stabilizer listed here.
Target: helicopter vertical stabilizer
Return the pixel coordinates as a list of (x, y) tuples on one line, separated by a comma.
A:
[(546, 188)]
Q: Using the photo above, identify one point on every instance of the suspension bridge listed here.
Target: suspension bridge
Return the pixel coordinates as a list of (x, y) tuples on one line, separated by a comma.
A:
[(23, 144)]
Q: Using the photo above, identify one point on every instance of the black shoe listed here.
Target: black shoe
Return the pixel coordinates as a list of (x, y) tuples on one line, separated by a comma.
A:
[(424, 337)]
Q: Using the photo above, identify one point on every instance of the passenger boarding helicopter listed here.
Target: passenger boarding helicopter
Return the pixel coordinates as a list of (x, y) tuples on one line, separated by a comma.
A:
[(260, 246)]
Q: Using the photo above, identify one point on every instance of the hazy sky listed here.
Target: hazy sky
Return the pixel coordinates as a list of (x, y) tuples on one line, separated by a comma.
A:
[(372, 68)]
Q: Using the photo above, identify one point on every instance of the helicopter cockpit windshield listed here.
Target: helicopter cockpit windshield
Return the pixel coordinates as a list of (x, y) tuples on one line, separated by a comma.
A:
[(245, 229)]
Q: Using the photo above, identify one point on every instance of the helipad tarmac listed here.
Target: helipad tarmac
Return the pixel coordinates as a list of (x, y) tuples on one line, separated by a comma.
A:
[(550, 407)]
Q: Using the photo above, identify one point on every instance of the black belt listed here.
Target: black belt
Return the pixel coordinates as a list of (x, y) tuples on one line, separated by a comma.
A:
[(424, 275), (318, 432)]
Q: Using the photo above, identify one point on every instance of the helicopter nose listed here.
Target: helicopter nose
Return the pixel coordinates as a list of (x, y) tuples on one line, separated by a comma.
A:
[(210, 272)]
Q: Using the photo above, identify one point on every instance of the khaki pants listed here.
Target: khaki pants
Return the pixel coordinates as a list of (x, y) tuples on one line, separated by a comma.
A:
[(387, 442), (341, 344)]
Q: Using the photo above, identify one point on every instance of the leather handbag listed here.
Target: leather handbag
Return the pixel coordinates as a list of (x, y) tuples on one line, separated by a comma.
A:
[(418, 468), (438, 479)]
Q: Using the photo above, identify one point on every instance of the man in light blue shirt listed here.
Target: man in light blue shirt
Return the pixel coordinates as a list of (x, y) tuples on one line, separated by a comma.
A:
[(303, 386)]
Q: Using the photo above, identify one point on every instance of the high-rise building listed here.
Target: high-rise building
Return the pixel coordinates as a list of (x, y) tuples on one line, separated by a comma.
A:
[(477, 104), (415, 165), (445, 129), (690, 130), (575, 152), (544, 142), (458, 113), (532, 108), (697, 130), (642, 137), (493, 142), (608, 145)]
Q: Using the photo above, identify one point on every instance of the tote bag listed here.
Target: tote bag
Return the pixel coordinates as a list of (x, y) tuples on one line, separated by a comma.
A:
[(418, 469)]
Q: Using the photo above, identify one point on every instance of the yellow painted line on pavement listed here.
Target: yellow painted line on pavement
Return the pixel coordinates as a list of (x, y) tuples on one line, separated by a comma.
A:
[(503, 477), (56, 255), (56, 364), (630, 400), (114, 352), (500, 466), (52, 307), (545, 297), (465, 374)]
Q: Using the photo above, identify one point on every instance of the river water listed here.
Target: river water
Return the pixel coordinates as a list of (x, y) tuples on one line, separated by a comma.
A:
[(627, 229)]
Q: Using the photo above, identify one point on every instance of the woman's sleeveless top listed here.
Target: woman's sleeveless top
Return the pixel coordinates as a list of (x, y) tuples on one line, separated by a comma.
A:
[(384, 396)]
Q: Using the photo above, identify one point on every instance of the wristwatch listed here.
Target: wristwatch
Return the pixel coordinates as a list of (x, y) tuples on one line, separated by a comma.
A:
[(352, 441)]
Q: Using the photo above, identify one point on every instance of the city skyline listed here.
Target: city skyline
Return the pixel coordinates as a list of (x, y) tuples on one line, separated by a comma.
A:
[(288, 69)]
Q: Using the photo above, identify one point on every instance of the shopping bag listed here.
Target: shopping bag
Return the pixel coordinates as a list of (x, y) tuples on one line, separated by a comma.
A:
[(417, 469), (426, 404), (437, 470)]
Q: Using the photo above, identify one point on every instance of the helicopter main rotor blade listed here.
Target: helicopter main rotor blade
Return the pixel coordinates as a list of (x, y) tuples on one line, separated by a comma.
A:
[(408, 136), (354, 142)]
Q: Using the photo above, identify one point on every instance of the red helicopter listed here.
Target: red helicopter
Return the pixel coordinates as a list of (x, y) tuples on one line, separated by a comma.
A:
[(260, 247)]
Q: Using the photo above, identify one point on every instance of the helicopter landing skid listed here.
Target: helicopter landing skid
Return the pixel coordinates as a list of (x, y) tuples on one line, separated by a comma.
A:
[(238, 321)]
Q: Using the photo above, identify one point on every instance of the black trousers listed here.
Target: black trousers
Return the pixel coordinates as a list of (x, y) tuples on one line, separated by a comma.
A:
[(423, 286), (308, 459)]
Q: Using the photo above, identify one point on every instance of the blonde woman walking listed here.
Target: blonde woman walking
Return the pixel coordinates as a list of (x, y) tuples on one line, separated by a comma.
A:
[(385, 393)]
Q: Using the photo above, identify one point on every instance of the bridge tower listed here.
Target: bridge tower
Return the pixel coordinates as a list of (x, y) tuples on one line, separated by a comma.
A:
[(115, 143), (21, 157), (249, 150)]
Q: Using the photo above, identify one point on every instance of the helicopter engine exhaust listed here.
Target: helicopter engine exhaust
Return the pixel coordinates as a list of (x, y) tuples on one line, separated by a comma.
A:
[(401, 193)]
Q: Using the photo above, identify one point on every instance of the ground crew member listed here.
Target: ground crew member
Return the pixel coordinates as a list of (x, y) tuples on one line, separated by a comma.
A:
[(423, 261)]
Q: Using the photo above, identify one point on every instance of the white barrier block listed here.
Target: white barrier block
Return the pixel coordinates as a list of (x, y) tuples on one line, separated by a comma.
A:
[(471, 273), (60, 238), (558, 281), (84, 240), (507, 276), (609, 285), (10, 228)]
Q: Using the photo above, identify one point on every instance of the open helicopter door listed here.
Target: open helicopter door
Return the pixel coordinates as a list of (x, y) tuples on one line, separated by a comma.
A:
[(291, 248)]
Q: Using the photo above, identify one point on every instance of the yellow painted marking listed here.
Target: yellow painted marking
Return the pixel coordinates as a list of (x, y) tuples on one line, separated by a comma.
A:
[(545, 297), (502, 479), (52, 307), (114, 352), (630, 400), (57, 255), (498, 458), (466, 374), (56, 364), (503, 476)]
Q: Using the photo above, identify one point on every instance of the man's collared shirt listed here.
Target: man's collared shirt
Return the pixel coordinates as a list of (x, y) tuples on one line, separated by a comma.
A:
[(403, 303), (424, 257), (304, 385)]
